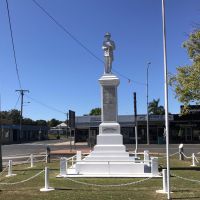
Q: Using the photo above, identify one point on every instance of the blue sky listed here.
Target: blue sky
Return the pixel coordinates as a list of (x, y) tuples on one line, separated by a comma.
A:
[(61, 74)]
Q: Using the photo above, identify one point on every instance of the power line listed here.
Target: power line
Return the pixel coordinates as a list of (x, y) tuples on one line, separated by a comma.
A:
[(16, 102), (79, 42), (13, 46), (45, 105), (67, 31), (125, 77)]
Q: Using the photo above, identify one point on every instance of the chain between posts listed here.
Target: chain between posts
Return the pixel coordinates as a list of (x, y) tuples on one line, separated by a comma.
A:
[(99, 185), (23, 181), (36, 160), (196, 159), (169, 155), (4, 170), (186, 179), (188, 157)]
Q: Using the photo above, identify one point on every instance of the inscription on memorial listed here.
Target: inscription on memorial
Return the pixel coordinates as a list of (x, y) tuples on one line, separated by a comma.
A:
[(109, 103), (109, 130)]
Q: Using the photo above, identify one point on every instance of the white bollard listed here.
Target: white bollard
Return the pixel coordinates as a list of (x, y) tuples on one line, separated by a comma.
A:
[(78, 156), (164, 171), (146, 157), (154, 166), (48, 150), (46, 156), (193, 161), (46, 184), (10, 169), (72, 160), (63, 167), (181, 157), (31, 160), (164, 190), (135, 153)]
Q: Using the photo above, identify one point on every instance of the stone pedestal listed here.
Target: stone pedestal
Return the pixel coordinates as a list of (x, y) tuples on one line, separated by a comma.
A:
[(109, 157), (109, 141)]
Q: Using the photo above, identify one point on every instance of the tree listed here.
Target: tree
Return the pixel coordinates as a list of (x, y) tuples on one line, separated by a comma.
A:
[(41, 122), (28, 121), (186, 83), (95, 111), (155, 109), (14, 115), (53, 122)]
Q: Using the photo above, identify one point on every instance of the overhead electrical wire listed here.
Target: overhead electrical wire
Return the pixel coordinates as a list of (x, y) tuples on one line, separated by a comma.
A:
[(13, 45), (66, 31), (17, 102), (79, 42), (45, 105)]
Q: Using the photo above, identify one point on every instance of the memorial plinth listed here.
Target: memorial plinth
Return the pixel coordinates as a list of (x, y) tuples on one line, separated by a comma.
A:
[(109, 157), (109, 141)]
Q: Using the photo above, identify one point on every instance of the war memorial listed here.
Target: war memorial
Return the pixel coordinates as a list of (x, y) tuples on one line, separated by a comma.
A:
[(109, 157)]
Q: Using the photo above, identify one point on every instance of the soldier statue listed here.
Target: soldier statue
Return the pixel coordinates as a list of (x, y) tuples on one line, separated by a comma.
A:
[(108, 47)]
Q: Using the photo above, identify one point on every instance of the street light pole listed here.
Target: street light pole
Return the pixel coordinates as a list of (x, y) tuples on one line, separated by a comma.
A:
[(136, 124), (148, 64), (166, 98)]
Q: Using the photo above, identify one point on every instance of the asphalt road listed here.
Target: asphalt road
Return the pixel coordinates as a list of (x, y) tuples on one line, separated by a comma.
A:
[(31, 148), (40, 148)]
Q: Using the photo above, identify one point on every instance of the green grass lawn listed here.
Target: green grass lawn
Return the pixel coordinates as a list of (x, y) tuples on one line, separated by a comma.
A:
[(66, 189)]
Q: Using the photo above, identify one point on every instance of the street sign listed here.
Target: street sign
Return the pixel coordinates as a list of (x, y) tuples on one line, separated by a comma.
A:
[(71, 119)]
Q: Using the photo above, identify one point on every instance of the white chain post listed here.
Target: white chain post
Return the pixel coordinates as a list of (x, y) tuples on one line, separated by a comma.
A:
[(10, 169), (78, 156), (164, 190), (46, 158), (154, 166), (46, 184), (63, 167), (31, 160), (164, 171), (72, 160), (181, 156), (146, 157), (193, 161)]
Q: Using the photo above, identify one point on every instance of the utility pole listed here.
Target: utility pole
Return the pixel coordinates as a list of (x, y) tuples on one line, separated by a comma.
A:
[(148, 64), (22, 92), (136, 125)]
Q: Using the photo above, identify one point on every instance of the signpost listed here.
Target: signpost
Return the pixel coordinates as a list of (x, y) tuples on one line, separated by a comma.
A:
[(71, 125)]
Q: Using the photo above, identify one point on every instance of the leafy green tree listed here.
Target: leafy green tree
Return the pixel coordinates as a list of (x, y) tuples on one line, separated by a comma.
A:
[(4, 114), (155, 109), (53, 122), (14, 115), (95, 111), (41, 122), (28, 121), (186, 82)]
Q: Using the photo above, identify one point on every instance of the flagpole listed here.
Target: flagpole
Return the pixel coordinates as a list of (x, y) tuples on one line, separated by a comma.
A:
[(166, 99)]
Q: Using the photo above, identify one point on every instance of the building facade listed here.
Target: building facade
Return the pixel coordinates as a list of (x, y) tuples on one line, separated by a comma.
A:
[(11, 133), (183, 129)]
